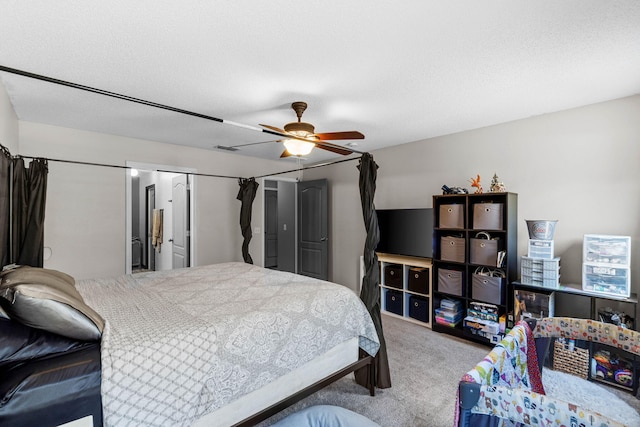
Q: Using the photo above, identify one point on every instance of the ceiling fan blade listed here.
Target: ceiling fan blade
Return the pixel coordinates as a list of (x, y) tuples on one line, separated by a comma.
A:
[(275, 129), (333, 136), (334, 148), (285, 154)]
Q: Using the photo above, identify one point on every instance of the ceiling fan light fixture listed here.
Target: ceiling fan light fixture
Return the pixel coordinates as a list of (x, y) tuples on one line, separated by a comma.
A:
[(303, 137), (300, 128), (297, 147)]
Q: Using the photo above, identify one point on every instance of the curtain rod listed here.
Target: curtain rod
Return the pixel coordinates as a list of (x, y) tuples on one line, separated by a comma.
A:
[(129, 167), (319, 165), (155, 104), (76, 162)]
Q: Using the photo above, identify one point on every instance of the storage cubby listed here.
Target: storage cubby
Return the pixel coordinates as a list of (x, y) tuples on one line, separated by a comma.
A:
[(405, 287), (620, 361), (474, 255), (596, 303)]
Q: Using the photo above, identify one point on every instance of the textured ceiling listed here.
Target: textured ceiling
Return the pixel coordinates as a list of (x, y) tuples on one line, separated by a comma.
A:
[(396, 71)]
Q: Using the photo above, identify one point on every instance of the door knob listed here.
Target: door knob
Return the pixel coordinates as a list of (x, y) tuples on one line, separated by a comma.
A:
[(324, 239)]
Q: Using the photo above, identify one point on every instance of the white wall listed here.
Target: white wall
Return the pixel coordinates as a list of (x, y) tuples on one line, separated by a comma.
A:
[(85, 216), (8, 123), (579, 166)]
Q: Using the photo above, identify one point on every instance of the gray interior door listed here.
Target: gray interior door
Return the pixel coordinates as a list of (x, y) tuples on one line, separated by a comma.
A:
[(180, 221), (313, 245), (287, 234), (271, 229)]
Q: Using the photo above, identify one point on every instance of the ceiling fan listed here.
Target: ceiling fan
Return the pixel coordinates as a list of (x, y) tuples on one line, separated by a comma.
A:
[(304, 138)]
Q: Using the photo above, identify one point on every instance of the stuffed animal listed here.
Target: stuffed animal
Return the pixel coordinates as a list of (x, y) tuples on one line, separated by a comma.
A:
[(603, 365), (611, 368), (624, 377)]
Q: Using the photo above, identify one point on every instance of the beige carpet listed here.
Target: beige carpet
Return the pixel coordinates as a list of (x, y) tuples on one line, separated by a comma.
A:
[(425, 369)]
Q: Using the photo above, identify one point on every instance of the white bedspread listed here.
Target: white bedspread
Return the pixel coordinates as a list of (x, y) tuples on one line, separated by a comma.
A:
[(179, 344)]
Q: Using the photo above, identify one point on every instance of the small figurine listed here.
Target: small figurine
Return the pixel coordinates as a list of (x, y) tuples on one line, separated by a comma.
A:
[(476, 183), (497, 186)]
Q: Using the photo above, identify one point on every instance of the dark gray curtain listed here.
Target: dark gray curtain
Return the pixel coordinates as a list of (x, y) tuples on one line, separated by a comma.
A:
[(247, 193), (370, 292), (5, 191), (19, 207), (29, 199)]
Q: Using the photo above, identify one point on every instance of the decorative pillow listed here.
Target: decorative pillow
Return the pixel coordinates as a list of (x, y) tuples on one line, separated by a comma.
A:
[(47, 299), (43, 273), (21, 343)]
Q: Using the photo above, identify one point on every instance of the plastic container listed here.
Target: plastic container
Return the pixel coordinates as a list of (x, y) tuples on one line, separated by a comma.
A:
[(541, 229), (606, 265)]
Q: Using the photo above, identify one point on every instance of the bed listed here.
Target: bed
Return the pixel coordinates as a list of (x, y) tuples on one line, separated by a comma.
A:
[(224, 344), (45, 376), (508, 387)]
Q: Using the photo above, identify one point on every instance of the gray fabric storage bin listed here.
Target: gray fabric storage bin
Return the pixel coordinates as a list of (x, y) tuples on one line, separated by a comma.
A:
[(484, 252), (451, 216), (450, 281), (486, 288), (487, 216), (452, 249)]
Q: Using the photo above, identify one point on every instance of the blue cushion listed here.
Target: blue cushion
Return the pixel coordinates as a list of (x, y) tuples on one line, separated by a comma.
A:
[(325, 416)]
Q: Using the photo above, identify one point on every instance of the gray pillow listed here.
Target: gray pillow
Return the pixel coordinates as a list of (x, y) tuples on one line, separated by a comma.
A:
[(48, 300), (26, 271)]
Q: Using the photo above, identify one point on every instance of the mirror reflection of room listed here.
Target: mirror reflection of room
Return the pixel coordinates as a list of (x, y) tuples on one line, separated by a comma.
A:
[(159, 223)]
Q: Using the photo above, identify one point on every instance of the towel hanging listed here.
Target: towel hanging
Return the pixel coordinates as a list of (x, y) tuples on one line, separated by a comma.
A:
[(156, 233)]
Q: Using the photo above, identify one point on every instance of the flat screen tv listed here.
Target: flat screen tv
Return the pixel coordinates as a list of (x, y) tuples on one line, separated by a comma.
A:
[(406, 232)]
